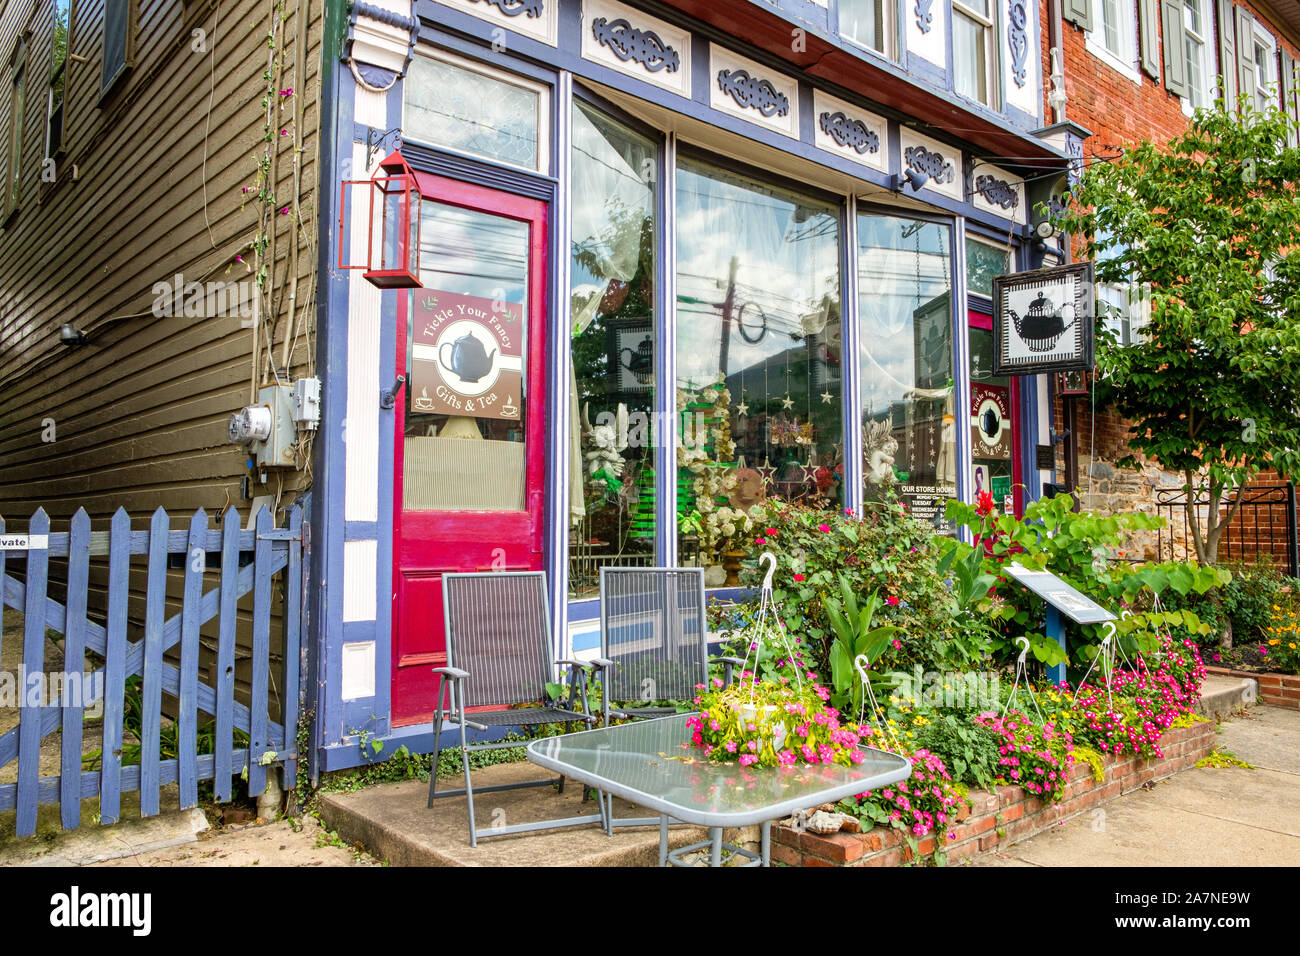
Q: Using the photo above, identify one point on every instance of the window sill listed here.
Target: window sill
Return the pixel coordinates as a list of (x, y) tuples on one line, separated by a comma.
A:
[(1110, 59)]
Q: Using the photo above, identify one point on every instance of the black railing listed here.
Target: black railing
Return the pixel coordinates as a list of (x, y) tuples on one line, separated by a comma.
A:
[(1263, 531)]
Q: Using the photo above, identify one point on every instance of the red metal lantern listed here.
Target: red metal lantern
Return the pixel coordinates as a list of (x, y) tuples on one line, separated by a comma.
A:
[(1072, 383), (391, 201)]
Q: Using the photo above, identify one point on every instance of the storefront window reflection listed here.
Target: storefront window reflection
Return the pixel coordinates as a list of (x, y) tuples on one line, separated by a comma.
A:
[(983, 262), (908, 396), (758, 360), (612, 486)]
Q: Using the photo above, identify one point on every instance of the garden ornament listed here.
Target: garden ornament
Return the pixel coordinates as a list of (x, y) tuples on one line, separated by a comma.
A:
[(879, 448), (1021, 672), (768, 623), (860, 663), (605, 444)]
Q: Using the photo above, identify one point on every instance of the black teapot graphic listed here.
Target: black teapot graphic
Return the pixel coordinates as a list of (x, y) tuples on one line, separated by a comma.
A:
[(469, 361), (991, 423), (1042, 325), (640, 362)]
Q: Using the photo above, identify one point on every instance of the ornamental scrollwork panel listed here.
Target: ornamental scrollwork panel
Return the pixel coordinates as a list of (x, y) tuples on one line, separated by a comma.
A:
[(631, 44), (997, 192), (850, 132), (1018, 39), (924, 11), (750, 92), (515, 8), (930, 162)]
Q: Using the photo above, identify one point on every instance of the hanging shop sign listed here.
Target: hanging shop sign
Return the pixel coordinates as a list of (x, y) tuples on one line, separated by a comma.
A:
[(466, 356), (990, 421), (1043, 320)]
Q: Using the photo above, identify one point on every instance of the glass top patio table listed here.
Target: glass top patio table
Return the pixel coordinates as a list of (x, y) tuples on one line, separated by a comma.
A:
[(653, 764)]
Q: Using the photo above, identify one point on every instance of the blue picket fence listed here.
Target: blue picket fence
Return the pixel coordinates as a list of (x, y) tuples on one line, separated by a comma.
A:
[(266, 732)]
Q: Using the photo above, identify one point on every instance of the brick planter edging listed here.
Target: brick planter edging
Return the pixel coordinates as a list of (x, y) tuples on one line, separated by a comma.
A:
[(1280, 690), (1011, 809)]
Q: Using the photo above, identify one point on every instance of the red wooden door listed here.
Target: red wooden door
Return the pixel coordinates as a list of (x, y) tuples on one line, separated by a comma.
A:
[(470, 460), (994, 423)]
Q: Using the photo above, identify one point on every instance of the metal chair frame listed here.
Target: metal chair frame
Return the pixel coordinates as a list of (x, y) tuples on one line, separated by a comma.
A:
[(453, 692), (605, 664)]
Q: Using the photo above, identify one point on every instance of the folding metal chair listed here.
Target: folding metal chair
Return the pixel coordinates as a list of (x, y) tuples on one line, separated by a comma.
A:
[(654, 645), (499, 654)]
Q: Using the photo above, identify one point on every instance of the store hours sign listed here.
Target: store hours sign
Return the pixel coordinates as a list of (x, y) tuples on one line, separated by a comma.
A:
[(1043, 320), (466, 355)]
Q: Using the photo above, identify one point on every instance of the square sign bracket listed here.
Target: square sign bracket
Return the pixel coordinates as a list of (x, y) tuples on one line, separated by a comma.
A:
[(1060, 598)]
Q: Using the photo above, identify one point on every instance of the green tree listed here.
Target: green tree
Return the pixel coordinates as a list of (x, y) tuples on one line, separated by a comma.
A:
[(1211, 220)]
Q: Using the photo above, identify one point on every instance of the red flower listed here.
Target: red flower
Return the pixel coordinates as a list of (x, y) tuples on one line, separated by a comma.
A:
[(891, 600), (984, 504), (798, 577)]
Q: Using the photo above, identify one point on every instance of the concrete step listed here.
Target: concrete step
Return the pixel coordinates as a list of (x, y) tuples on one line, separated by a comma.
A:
[(393, 823), (1222, 696)]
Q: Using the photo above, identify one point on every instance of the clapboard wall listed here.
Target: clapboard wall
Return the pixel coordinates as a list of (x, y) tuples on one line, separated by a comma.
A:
[(158, 178)]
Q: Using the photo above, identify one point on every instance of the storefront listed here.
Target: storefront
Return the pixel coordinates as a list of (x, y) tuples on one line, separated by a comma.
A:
[(668, 274)]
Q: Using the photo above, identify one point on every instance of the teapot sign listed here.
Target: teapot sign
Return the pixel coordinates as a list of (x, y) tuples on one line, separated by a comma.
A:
[(1043, 320), (466, 355)]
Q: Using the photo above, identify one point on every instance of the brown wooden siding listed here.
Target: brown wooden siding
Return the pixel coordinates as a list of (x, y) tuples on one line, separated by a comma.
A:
[(140, 412)]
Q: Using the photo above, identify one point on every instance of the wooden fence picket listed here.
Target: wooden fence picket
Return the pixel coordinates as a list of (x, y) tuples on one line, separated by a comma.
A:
[(74, 656), (187, 714), (29, 734), (261, 652), (155, 611), (225, 676), (119, 573)]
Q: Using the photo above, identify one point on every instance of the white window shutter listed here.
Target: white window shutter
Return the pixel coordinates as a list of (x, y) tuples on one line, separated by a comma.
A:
[(1175, 47), (1227, 55), (1149, 37)]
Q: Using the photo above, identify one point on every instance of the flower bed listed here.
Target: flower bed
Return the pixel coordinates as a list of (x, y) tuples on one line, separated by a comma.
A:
[(1003, 815)]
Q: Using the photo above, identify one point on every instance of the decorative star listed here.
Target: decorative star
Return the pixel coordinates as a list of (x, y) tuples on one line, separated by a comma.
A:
[(787, 402), (742, 409), (810, 471), (827, 398), (765, 473)]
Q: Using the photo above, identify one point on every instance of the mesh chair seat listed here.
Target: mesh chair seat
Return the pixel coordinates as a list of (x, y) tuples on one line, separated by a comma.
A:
[(524, 716)]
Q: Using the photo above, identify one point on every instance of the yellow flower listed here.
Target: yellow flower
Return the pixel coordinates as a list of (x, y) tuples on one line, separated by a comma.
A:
[(1275, 642), (1276, 608), (1292, 645)]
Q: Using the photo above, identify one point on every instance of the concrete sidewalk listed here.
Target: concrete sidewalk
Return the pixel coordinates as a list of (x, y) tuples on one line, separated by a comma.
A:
[(1201, 817)]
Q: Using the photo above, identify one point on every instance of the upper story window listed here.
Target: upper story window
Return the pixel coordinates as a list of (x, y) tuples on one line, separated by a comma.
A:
[(868, 23), (1264, 58), (1113, 36), (59, 49), (1198, 41), (17, 111), (974, 50), (470, 108)]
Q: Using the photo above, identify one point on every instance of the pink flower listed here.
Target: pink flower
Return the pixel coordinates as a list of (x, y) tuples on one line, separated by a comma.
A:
[(714, 725), (897, 644), (891, 600), (747, 759), (731, 746), (787, 758), (823, 527)]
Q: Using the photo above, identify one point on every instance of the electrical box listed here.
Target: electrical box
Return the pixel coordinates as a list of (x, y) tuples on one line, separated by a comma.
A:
[(306, 403), (267, 428)]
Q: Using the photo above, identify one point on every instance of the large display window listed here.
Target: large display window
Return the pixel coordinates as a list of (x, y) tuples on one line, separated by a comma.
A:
[(758, 359), (905, 313)]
